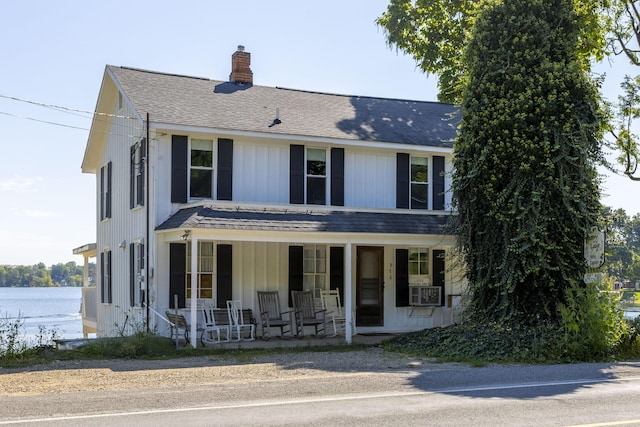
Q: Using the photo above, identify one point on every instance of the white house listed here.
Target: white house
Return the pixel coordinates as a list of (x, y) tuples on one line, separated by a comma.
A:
[(263, 188)]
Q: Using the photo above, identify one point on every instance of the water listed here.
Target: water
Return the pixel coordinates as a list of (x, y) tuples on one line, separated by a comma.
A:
[(53, 308)]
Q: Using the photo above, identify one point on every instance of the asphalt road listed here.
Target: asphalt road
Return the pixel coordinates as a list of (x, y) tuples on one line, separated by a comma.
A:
[(558, 395)]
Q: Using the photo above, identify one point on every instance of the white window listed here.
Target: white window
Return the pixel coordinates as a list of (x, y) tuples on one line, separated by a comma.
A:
[(316, 174), (205, 271), (418, 264), (136, 177), (315, 269), (201, 174), (419, 182)]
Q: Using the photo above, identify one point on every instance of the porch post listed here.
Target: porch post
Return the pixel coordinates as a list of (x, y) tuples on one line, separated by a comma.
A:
[(348, 312), (194, 292)]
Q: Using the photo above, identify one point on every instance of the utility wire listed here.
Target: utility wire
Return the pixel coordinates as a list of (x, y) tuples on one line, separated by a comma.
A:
[(58, 107), (42, 121)]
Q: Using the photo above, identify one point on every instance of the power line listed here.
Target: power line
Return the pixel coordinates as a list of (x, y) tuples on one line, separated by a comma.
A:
[(42, 121), (59, 107)]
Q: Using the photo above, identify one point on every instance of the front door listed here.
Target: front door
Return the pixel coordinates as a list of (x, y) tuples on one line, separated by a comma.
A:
[(370, 286)]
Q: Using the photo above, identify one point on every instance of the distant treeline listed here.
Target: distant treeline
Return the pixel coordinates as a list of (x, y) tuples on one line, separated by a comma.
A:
[(69, 274)]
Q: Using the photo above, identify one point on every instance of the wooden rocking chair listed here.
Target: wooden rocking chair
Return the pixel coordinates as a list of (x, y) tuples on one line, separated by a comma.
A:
[(307, 314), (272, 316)]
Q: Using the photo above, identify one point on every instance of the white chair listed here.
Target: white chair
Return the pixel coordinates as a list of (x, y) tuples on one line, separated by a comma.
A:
[(212, 330), (237, 323), (335, 312)]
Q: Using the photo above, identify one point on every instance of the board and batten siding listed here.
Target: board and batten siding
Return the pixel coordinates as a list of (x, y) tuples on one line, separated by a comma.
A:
[(260, 172), (369, 179), (125, 225)]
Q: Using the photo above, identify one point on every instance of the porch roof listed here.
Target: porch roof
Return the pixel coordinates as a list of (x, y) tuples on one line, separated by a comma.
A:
[(287, 220)]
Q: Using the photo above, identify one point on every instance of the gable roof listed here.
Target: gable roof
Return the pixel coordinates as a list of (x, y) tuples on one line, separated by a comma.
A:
[(198, 102), (307, 221)]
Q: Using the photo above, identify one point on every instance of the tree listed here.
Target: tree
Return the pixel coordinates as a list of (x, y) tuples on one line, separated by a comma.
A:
[(525, 182), (435, 33)]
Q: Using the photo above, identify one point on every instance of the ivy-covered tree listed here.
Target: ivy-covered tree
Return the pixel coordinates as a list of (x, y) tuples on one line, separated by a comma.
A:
[(525, 182)]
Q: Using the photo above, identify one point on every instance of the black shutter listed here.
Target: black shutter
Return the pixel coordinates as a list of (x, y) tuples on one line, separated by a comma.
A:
[(336, 269), (108, 207), (102, 191), (225, 169), (224, 282), (296, 174), (402, 181), (402, 277), (179, 158), (132, 274), (103, 281), (438, 183), (438, 271), (132, 176), (337, 176), (177, 273), (143, 161), (296, 270)]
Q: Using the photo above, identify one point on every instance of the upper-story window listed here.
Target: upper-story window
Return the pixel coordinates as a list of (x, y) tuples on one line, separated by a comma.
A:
[(201, 176), (316, 173), (419, 182)]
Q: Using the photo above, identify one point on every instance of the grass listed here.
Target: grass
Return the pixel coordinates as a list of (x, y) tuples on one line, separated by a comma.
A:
[(152, 347)]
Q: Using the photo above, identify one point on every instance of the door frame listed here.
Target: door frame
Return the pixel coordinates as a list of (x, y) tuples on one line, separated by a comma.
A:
[(374, 314)]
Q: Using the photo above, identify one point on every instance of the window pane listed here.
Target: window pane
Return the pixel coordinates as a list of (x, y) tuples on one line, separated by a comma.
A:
[(315, 154), (201, 183), (316, 162), (309, 266), (419, 169), (413, 268), (202, 158), (320, 266), (419, 196), (316, 191)]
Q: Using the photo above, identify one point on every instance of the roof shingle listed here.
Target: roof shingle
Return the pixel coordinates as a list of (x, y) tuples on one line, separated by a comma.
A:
[(198, 102)]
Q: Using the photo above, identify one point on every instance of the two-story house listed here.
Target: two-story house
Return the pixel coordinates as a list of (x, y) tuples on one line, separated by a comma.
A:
[(228, 188)]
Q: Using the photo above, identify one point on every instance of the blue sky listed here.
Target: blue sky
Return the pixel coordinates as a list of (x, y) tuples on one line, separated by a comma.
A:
[(54, 53)]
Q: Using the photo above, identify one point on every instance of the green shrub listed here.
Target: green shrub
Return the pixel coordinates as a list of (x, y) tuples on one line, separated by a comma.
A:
[(592, 322)]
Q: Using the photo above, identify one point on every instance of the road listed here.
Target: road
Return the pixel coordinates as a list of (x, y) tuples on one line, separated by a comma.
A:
[(557, 395)]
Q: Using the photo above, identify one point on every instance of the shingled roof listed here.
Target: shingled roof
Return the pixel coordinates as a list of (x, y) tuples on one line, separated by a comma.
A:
[(302, 221), (191, 101)]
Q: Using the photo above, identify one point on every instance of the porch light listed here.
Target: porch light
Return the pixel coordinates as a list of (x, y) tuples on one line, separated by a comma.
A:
[(186, 234)]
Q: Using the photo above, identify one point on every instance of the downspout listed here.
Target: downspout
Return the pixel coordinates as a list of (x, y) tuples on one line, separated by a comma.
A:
[(146, 239)]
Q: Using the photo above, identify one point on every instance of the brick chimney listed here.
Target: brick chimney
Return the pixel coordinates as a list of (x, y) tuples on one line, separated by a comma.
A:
[(241, 67)]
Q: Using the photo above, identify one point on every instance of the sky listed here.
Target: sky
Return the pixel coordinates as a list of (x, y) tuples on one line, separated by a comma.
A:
[(53, 56)]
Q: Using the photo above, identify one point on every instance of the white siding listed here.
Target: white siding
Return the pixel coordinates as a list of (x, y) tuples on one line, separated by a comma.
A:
[(369, 179), (123, 227), (260, 173)]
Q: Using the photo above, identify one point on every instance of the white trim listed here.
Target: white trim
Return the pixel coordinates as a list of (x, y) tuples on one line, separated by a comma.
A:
[(338, 142)]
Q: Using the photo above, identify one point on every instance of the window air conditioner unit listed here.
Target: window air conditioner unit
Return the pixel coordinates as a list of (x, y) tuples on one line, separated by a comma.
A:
[(420, 295)]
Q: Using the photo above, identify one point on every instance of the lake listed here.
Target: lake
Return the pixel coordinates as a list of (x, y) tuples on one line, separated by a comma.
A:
[(53, 308)]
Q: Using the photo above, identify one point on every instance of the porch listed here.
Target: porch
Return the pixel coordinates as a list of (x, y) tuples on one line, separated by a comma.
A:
[(239, 252)]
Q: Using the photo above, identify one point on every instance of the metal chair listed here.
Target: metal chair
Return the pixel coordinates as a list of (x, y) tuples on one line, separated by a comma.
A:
[(237, 323)]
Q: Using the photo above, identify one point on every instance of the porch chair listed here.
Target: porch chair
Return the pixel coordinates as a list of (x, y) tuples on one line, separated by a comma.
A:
[(306, 313), (212, 330), (272, 316), (237, 323), (179, 327), (331, 302)]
